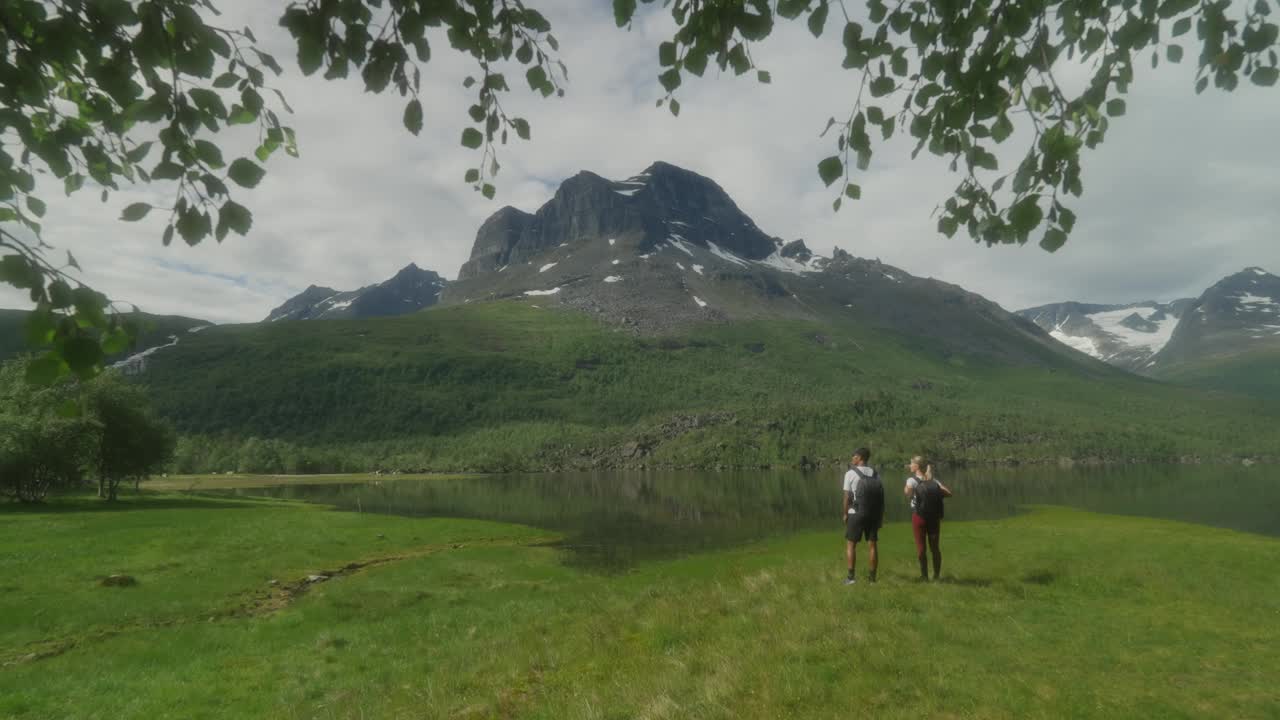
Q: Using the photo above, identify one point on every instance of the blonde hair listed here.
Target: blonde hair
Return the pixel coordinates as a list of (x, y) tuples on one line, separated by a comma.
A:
[(921, 462)]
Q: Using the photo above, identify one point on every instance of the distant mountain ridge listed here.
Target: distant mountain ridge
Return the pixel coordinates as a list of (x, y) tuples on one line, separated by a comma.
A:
[(1127, 336), (409, 290), (1239, 314)]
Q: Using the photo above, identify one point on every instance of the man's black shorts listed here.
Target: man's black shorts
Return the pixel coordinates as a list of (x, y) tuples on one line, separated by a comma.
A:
[(858, 528)]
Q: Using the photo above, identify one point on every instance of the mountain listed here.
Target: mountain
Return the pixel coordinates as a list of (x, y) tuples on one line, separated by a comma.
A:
[(409, 290), (1126, 336), (650, 323), (668, 249), (1228, 338), (1239, 314), (155, 331)]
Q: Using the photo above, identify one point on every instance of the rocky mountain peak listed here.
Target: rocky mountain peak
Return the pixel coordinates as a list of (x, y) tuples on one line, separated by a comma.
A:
[(664, 203)]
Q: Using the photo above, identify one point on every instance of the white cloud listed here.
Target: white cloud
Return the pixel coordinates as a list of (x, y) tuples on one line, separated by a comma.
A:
[(1180, 194)]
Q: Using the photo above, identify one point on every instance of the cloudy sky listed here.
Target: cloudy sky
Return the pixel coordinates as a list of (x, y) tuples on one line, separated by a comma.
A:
[(1183, 192)]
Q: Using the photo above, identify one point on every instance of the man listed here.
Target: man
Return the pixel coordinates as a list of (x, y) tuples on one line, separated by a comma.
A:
[(863, 512)]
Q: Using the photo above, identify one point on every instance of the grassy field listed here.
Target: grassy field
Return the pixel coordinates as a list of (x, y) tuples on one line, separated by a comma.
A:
[(504, 386), (1052, 614)]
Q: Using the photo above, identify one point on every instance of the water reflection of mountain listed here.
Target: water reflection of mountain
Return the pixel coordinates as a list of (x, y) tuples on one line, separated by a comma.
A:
[(613, 520)]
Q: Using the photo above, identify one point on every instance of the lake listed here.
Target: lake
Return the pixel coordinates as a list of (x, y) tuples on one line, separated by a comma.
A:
[(613, 520)]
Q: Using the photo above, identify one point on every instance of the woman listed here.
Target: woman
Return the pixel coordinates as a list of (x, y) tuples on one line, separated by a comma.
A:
[(926, 495)]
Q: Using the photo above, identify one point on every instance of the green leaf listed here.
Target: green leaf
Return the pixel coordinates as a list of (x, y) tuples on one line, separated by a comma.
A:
[(1265, 76), (46, 370), (948, 225), (830, 170), (1001, 129), (19, 272), (245, 173), (209, 153), (40, 328), (1115, 107), (1054, 238), (472, 138), (1025, 215), (59, 294), (35, 205), (1174, 53), (488, 191), (264, 151), (536, 77), (818, 19), (674, 107), (738, 59), (882, 86), (413, 116), (522, 128), (853, 192), (83, 355), (764, 77), (667, 54), (226, 80), (670, 80), (898, 64), (138, 154), (886, 130), (1066, 219), (89, 306), (115, 341), (236, 217), (241, 116), (135, 211), (1182, 26), (472, 176), (72, 183), (193, 225), (623, 10)]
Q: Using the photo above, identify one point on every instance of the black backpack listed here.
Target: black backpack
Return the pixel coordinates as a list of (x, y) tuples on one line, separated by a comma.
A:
[(868, 499), (929, 499)]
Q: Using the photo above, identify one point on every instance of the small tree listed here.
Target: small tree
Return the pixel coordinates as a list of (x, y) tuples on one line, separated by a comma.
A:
[(131, 442), (41, 454), (40, 448)]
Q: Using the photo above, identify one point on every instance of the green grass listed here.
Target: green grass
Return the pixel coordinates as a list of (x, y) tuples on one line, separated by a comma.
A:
[(1053, 614), (505, 386)]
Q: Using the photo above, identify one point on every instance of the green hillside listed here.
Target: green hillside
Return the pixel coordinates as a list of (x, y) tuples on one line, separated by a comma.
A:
[(1254, 374), (504, 386)]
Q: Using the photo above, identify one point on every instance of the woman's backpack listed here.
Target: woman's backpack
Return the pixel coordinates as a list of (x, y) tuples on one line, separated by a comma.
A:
[(929, 499)]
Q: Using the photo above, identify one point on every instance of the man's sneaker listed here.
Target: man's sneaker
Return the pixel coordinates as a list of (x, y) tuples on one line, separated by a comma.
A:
[(851, 581), (871, 579)]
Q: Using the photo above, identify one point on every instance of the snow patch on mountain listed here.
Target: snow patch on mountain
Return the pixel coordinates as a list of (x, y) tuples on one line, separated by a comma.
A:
[(1261, 302), (679, 242), (1111, 321), (552, 291), (725, 254), (1083, 344)]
